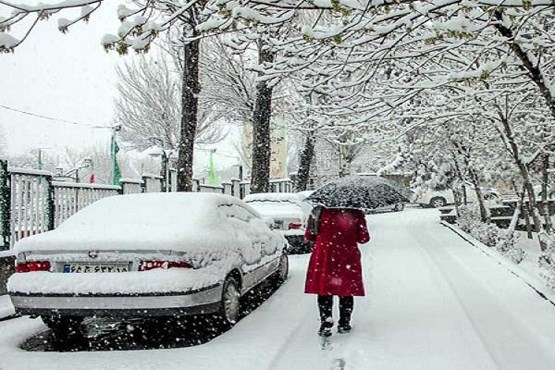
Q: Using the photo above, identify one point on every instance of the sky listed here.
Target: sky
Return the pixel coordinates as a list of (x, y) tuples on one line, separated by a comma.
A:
[(69, 77), (65, 76)]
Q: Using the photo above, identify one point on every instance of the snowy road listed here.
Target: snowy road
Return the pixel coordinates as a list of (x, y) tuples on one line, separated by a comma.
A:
[(434, 302)]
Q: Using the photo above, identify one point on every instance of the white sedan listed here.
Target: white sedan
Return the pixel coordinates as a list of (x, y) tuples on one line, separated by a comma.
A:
[(441, 198), (286, 213), (145, 255)]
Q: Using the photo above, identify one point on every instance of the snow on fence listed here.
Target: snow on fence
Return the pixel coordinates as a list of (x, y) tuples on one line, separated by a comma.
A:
[(70, 198), (31, 201), (130, 186)]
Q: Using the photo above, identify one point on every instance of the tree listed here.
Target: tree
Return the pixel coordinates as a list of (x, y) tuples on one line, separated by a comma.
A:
[(29, 159), (149, 105), (140, 27)]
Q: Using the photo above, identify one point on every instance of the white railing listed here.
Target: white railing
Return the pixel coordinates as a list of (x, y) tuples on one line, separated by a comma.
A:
[(35, 203), (29, 202), (70, 198)]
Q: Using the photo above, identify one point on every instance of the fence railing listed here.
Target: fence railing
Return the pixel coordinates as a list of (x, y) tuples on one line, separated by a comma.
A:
[(31, 201)]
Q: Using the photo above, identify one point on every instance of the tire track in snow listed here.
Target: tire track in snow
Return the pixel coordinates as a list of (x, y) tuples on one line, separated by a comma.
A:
[(499, 329), (445, 281), (288, 342), (410, 321)]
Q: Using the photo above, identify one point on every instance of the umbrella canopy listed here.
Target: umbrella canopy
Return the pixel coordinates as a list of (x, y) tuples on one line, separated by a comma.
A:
[(360, 192)]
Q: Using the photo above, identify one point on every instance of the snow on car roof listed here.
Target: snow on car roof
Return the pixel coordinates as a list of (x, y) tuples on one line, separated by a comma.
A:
[(154, 221), (272, 197), (278, 209)]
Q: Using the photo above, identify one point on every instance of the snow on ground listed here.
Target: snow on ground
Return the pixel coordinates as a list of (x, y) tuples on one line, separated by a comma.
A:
[(6, 307), (433, 302)]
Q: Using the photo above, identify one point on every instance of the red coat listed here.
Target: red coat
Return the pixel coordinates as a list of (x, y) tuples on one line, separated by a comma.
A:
[(335, 266)]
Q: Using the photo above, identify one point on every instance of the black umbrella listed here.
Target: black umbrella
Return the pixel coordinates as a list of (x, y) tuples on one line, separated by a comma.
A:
[(360, 192)]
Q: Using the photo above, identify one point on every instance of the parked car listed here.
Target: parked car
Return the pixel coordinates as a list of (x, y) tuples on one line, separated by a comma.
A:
[(441, 198), (287, 213), (538, 190), (398, 207), (143, 255)]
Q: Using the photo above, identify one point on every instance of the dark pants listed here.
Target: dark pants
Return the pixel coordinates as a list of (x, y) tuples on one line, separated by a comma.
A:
[(325, 305)]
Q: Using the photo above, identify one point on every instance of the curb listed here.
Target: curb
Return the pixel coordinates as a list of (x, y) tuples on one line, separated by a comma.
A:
[(6, 318), (542, 291)]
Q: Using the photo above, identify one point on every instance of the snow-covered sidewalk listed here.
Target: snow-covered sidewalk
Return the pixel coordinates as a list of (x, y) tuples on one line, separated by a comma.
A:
[(434, 302)]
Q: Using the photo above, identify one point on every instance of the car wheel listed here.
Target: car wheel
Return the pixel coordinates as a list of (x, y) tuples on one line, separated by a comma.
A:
[(63, 325), (438, 202), (281, 273), (230, 305)]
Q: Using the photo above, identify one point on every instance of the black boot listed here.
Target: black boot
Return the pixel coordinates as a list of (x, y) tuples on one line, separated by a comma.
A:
[(325, 305), (345, 310), (325, 329), (344, 328)]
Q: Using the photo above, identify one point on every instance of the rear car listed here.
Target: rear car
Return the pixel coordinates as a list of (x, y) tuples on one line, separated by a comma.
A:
[(286, 213), (397, 207), (441, 198), (145, 255)]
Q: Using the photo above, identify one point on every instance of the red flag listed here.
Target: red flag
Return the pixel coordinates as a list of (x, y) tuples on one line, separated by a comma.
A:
[(92, 178)]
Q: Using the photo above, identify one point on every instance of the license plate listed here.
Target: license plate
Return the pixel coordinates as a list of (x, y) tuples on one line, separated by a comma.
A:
[(95, 268)]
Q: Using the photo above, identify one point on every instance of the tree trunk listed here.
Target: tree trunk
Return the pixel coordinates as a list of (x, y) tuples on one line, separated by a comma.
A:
[(261, 148), (484, 212), (303, 173), (545, 190), (527, 183), (189, 105)]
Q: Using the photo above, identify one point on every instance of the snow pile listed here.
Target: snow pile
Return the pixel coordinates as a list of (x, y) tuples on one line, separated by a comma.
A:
[(505, 241), (159, 281), (278, 209), (547, 260), (277, 205), (109, 39), (272, 197), (7, 42), (213, 232), (200, 224), (6, 307)]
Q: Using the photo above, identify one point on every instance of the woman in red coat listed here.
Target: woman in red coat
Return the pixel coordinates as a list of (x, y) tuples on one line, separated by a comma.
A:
[(335, 265)]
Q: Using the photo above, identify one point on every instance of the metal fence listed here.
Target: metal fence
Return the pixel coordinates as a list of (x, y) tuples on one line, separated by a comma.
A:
[(32, 202)]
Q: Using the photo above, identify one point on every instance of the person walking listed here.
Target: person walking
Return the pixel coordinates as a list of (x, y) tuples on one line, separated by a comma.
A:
[(335, 267)]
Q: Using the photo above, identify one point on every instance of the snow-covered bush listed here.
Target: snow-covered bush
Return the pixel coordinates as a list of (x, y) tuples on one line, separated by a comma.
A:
[(508, 246), (504, 241), (547, 261)]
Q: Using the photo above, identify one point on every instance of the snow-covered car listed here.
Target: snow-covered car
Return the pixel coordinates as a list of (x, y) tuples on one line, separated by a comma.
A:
[(441, 198), (538, 190), (286, 213), (143, 255), (397, 207)]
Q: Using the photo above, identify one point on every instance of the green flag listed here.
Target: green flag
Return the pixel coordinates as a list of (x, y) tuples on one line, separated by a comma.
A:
[(212, 175), (116, 174)]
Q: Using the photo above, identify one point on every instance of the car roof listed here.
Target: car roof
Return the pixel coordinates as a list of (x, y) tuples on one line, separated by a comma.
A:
[(272, 197), (181, 220)]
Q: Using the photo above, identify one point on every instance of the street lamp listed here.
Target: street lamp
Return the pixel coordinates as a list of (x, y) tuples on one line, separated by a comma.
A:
[(59, 171)]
